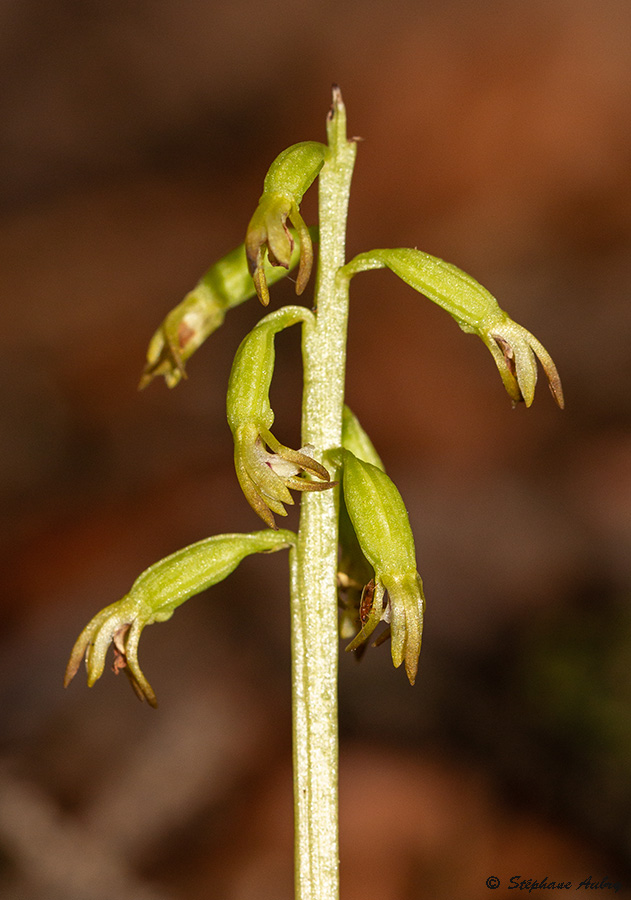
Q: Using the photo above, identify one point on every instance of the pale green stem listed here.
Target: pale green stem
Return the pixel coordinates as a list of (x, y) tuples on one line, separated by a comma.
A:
[(314, 613)]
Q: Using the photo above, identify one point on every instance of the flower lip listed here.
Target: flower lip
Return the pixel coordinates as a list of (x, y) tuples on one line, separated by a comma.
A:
[(266, 477), (516, 351), (127, 660)]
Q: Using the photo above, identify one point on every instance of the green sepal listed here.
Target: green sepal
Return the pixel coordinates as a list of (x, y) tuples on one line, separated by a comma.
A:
[(354, 570), (379, 516), (289, 177), (514, 349), (265, 476), (226, 284), (155, 595), (253, 367), (295, 169)]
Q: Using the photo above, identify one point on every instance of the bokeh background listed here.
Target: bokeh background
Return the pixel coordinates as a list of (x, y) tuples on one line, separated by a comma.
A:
[(135, 137)]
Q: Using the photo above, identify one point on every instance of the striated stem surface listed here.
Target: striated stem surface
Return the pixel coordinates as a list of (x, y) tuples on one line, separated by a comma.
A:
[(314, 615)]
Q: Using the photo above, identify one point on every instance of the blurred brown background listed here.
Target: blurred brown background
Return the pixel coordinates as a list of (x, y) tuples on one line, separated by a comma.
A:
[(135, 136)]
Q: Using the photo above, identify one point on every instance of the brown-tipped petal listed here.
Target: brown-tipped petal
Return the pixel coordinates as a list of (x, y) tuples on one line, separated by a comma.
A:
[(306, 251), (547, 363), (253, 496), (301, 484), (255, 241), (262, 510), (87, 642), (78, 652), (135, 674), (405, 613)]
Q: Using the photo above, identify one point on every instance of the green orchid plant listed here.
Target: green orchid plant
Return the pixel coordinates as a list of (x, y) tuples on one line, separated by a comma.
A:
[(352, 560)]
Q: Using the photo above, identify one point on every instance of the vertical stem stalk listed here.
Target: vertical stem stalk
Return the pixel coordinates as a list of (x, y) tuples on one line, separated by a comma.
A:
[(314, 614)]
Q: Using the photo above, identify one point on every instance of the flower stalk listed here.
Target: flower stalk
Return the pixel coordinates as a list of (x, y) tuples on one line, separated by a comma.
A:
[(314, 616)]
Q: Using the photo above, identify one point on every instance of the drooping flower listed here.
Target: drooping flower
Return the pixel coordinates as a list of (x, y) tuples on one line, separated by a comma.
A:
[(382, 527), (225, 285), (514, 349), (289, 176), (266, 477), (268, 233), (185, 329), (154, 597)]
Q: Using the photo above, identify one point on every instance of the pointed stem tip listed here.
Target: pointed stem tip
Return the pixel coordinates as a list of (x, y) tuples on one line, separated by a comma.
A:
[(337, 101)]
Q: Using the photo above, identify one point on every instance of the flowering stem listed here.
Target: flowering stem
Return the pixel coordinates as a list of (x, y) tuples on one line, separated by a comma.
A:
[(314, 615)]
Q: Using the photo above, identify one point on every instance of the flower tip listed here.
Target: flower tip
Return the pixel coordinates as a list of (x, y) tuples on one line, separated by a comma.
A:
[(306, 250), (304, 269), (260, 284), (142, 689), (547, 363), (556, 388), (172, 377), (78, 652), (72, 668), (145, 379), (255, 240), (125, 644), (168, 363), (411, 668)]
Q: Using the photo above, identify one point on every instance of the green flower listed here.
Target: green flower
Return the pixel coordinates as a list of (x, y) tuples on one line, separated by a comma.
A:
[(289, 176), (514, 349), (266, 477), (225, 285), (154, 597), (185, 329), (268, 233), (382, 527)]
